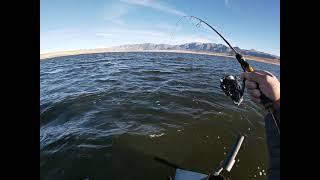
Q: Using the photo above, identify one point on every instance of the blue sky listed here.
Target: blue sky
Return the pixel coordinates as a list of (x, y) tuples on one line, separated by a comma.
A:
[(87, 24)]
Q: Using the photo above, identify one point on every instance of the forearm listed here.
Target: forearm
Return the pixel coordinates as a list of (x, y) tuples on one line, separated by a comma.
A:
[(273, 145)]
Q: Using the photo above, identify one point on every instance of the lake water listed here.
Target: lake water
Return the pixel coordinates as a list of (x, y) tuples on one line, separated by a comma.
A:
[(106, 115)]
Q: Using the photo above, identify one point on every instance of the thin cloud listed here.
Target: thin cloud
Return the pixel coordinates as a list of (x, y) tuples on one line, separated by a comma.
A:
[(58, 35), (232, 5), (226, 2), (54, 39), (167, 27), (155, 4), (150, 33), (123, 31), (104, 34), (115, 12)]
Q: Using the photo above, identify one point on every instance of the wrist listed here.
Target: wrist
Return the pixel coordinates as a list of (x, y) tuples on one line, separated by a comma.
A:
[(276, 104)]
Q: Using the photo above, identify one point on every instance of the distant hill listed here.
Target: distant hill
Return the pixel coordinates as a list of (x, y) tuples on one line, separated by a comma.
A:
[(193, 48), (200, 47)]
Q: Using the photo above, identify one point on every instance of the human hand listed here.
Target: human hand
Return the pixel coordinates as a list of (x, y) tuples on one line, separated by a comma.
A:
[(269, 85)]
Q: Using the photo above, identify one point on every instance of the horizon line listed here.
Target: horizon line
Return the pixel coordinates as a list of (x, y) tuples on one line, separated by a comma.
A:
[(48, 52)]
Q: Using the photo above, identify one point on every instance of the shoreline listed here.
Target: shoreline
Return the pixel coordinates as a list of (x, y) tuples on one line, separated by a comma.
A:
[(96, 51)]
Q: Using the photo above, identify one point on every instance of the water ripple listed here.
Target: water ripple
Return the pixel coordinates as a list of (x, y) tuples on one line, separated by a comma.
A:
[(101, 112)]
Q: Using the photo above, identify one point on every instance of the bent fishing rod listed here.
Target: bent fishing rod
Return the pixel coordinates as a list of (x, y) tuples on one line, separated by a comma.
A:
[(246, 67)]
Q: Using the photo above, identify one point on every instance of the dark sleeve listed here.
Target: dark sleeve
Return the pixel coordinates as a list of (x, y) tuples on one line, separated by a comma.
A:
[(273, 145)]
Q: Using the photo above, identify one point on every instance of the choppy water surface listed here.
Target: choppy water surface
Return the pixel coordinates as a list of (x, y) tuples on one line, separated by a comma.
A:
[(105, 116)]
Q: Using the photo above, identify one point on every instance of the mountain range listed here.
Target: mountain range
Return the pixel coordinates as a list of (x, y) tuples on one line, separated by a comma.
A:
[(195, 46)]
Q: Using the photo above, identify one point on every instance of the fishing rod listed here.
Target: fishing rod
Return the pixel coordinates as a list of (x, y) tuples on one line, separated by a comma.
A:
[(246, 67)]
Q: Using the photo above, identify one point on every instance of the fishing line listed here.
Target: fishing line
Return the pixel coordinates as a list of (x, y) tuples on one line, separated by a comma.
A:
[(229, 84)]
